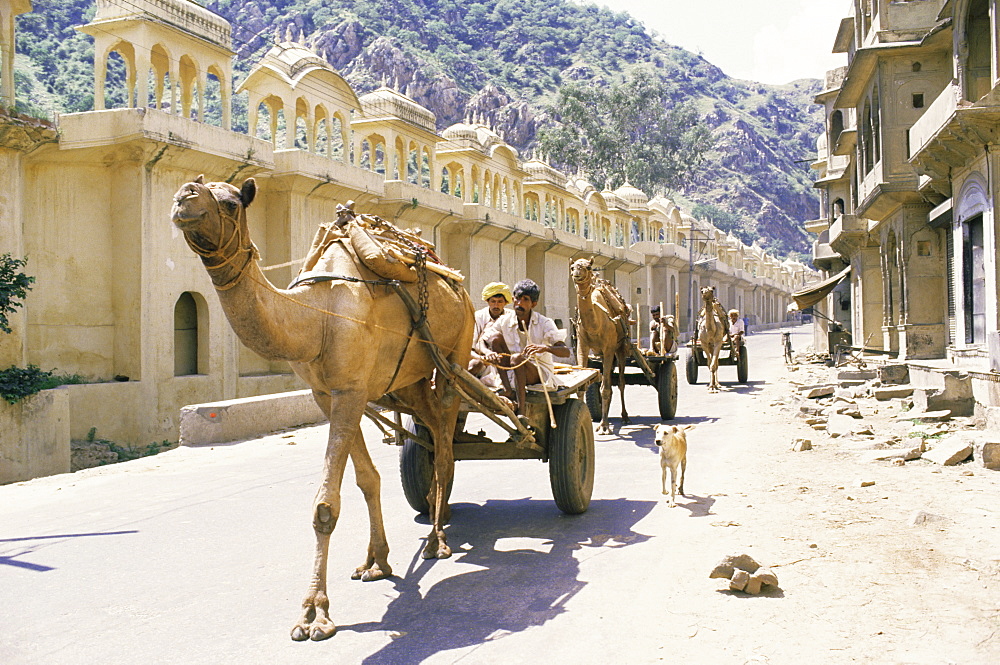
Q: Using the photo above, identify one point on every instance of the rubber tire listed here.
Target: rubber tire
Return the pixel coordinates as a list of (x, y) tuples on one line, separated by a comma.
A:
[(666, 388), (571, 457), (416, 469), (742, 365), (691, 365), (593, 399)]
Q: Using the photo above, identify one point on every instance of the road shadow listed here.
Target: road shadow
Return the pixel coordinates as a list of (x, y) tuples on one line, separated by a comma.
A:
[(525, 552), (747, 388), (8, 558)]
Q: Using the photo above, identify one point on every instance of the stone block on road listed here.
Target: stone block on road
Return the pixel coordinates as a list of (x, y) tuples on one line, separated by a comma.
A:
[(987, 454), (815, 392), (883, 394), (948, 452)]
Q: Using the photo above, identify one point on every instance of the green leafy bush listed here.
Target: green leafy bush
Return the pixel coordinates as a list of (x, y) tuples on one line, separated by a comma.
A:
[(16, 383)]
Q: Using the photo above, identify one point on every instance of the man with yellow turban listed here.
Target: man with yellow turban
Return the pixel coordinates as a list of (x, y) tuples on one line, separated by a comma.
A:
[(497, 296)]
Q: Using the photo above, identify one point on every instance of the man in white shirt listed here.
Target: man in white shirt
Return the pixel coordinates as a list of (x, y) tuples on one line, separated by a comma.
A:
[(526, 341), (497, 296), (736, 331)]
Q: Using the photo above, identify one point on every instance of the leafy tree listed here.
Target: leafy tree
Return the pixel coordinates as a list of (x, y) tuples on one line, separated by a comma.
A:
[(14, 287), (631, 131)]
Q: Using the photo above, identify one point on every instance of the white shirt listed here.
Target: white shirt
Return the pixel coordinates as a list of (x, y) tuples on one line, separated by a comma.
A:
[(541, 331), (483, 323), (737, 327)]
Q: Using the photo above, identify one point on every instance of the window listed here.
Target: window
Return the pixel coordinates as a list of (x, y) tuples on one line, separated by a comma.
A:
[(918, 100), (185, 335)]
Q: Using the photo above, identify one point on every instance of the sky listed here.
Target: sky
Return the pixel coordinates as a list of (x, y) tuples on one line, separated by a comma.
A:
[(770, 41)]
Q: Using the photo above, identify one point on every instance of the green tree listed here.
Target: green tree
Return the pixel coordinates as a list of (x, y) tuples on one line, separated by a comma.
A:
[(633, 130), (14, 287)]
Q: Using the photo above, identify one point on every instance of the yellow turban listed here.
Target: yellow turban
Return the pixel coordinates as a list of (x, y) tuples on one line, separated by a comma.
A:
[(497, 289)]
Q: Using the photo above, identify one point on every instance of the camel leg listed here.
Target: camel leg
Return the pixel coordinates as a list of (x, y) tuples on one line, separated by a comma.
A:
[(620, 357), (376, 566), (607, 364), (444, 471), (438, 409), (345, 432)]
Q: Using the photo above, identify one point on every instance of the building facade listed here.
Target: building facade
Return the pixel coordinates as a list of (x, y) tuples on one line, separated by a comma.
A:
[(121, 299), (908, 171)]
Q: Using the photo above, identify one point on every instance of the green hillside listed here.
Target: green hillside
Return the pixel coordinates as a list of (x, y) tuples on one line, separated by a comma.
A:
[(503, 61)]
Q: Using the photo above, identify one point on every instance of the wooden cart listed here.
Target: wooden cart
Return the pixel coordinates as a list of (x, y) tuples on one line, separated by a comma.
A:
[(657, 371), (564, 439), (696, 358)]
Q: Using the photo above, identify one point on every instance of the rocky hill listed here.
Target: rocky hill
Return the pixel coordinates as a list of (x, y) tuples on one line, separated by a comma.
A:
[(502, 61)]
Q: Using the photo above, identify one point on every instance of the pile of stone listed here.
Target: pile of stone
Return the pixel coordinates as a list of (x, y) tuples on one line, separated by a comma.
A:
[(876, 413), (744, 574), (88, 454)]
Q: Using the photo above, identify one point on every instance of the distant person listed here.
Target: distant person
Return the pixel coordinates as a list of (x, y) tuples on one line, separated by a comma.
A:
[(661, 328), (737, 329)]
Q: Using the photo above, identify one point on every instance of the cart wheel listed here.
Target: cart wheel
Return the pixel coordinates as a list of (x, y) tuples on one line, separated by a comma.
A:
[(666, 387), (416, 469), (571, 457), (742, 365), (692, 368), (593, 397)]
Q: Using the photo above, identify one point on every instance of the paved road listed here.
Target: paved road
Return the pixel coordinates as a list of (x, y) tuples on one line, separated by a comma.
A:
[(202, 555)]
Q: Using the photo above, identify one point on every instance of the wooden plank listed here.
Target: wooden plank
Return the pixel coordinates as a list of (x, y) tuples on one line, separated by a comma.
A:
[(485, 451)]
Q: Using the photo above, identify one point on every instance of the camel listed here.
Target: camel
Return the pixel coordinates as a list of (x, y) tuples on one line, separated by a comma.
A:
[(712, 332), (598, 306), (347, 339)]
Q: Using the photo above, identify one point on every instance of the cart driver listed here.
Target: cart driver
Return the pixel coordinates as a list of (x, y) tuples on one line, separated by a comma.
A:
[(497, 296), (737, 329), (526, 341), (661, 328)]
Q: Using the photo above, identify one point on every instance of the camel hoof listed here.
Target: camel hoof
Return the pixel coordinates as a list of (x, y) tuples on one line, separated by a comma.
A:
[(322, 632), (372, 574), (444, 552), (299, 634)]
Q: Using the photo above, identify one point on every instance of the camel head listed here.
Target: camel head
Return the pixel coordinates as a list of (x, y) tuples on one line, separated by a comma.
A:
[(582, 270), (708, 294), (211, 215)]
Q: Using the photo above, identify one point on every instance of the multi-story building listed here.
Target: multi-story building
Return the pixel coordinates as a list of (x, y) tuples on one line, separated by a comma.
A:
[(908, 172), (121, 299)]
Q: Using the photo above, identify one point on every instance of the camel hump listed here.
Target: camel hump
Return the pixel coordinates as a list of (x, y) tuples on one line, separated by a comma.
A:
[(613, 299)]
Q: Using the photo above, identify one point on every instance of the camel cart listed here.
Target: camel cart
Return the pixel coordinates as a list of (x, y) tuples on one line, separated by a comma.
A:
[(555, 429), (658, 371), (696, 358)]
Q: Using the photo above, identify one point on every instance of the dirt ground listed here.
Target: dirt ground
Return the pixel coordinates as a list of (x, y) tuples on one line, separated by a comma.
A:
[(901, 559)]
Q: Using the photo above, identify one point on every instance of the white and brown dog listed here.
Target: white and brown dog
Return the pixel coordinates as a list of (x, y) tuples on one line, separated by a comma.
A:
[(672, 441)]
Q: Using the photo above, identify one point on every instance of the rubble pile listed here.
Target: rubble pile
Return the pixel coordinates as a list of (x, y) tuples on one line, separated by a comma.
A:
[(744, 574), (876, 414)]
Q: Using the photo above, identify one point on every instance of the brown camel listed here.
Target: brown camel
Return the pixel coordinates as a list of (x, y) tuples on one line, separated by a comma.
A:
[(597, 306), (349, 341), (711, 334)]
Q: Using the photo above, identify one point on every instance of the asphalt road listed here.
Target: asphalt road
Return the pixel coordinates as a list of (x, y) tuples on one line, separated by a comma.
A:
[(202, 555)]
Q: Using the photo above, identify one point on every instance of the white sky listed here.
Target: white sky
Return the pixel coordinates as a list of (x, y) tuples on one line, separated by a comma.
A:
[(771, 41)]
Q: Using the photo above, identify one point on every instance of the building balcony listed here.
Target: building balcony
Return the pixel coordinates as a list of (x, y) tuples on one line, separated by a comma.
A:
[(846, 232), (824, 255), (846, 142), (885, 188), (951, 133)]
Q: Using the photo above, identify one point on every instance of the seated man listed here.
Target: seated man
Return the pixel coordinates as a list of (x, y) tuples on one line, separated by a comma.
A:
[(661, 329), (497, 296), (736, 331), (526, 341)]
